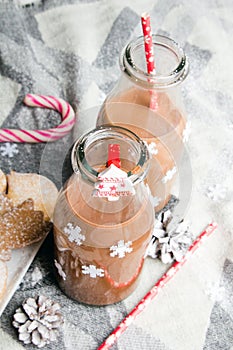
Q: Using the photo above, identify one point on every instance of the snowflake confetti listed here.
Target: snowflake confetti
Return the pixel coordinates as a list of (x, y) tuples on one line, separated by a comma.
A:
[(59, 270), (93, 271), (216, 292), (9, 150), (216, 192), (169, 175), (186, 132), (36, 276), (31, 279), (74, 234), (121, 249), (152, 147)]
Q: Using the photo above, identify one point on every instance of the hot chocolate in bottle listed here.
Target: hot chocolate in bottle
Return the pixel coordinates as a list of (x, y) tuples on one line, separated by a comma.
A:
[(103, 218), (151, 106)]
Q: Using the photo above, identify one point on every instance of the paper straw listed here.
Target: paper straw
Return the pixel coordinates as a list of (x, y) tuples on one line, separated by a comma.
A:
[(149, 53), (121, 328), (114, 155), (45, 135)]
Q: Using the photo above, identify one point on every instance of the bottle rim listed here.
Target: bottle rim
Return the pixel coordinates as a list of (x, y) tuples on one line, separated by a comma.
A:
[(154, 81), (81, 165)]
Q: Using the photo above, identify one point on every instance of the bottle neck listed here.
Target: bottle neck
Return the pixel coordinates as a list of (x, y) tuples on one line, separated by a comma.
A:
[(171, 63), (90, 153)]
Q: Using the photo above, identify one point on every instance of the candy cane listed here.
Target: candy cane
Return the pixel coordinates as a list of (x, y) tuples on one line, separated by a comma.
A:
[(46, 135)]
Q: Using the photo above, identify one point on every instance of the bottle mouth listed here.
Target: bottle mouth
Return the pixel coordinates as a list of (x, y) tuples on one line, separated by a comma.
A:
[(90, 153), (171, 62)]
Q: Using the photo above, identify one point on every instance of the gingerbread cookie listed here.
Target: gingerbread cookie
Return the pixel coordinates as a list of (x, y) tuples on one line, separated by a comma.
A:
[(43, 191), (21, 226), (20, 223), (6, 204)]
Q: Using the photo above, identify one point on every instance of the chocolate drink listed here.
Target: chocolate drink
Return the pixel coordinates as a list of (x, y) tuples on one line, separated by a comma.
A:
[(99, 271), (161, 129)]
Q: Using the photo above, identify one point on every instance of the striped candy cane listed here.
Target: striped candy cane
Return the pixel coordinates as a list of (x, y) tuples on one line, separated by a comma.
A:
[(46, 135)]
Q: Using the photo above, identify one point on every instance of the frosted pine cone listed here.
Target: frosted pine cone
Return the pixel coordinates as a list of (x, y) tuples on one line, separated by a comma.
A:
[(38, 321), (170, 240)]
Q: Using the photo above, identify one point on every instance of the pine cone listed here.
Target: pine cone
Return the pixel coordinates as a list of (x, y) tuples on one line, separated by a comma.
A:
[(38, 321), (170, 240)]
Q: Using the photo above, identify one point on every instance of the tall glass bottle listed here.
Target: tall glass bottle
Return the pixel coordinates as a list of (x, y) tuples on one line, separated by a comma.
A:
[(103, 218), (161, 124)]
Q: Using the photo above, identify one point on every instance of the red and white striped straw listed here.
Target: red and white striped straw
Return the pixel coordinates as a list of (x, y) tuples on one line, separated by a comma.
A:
[(114, 336), (149, 53), (45, 135), (148, 42)]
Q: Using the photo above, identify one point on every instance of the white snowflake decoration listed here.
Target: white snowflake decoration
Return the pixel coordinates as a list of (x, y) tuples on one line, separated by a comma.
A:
[(216, 292), (186, 132), (31, 279), (93, 271), (152, 147), (155, 201), (9, 150), (36, 276), (59, 269), (121, 249), (169, 175), (216, 192), (74, 234)]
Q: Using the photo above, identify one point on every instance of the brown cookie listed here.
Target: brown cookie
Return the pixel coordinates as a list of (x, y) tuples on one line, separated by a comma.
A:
[(5, 204), (22, 226), (43, 191)]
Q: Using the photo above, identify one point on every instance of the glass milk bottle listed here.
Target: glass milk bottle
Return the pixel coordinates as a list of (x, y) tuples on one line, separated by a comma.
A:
[(151, 106), (103, 218)]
